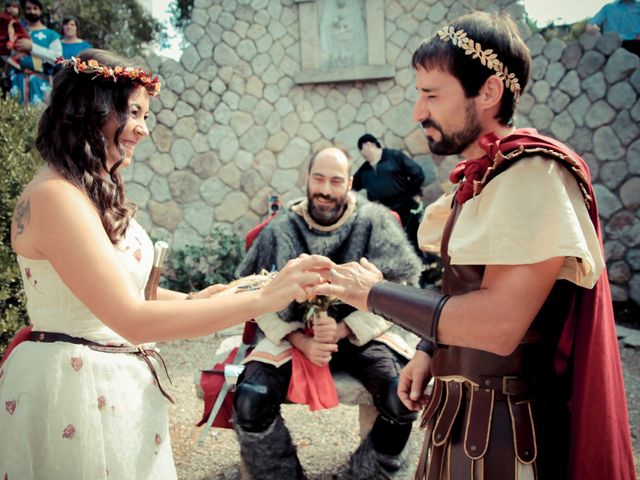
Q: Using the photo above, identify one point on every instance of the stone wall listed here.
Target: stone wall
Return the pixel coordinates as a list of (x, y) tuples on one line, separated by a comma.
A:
[(232, 125)]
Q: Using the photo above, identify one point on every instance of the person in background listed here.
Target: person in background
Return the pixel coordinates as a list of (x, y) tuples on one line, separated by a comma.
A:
[(81, 395), (32, 82), (521, 342), (623, 17), (11, 30), (72, 45), (393, 179), (298, 349)]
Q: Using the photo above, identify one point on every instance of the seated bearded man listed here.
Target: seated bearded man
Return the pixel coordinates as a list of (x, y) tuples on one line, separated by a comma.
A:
[(333, 222)]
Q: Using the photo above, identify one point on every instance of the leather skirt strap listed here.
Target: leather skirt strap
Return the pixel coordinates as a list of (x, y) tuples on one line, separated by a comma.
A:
[(145, 353)]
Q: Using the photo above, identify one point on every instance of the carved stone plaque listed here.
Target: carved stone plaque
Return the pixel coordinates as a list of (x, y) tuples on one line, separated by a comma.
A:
[(342, 40)]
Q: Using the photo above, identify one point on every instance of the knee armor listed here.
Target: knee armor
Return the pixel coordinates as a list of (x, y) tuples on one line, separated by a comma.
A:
[(255, 406)]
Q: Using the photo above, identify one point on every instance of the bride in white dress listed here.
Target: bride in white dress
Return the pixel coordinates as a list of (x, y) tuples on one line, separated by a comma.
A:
[(70, 408)]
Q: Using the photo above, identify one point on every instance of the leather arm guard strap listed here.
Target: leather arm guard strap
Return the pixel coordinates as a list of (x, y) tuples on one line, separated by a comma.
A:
[(412, 308)]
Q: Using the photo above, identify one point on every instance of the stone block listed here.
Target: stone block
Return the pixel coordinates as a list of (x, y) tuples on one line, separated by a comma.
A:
[(606, 144), (625, 227), (634, 293), (608, 43), (255, 139), (167, 117), (183, 186), (590, 63), (213, 191), (205, 164), (588, 40), (527, 101), (553, 49), (614, 250), (618, 293), (612, 174), (162, 138), (558, 101), (294, 154), (162, 164), (599, 114), (633, 158), (571, 55), (541, 91), (621, 95), (630, 193), (620, 65), (578, 109), (193, 33), (539, 67), (595, 86), (182, 151), (633, 258), (166, 215), (626, 129), (183, 109), (536, 44), (562, 126), (619, 272), (185, 127), (137, 193), (570, 84), (252, 183), (555, 73), (541, 116), (284, 181), (582, 141), (608, 203)]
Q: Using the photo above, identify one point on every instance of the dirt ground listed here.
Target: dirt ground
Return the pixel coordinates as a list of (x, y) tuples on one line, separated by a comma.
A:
[(631, 371), (325, 439)]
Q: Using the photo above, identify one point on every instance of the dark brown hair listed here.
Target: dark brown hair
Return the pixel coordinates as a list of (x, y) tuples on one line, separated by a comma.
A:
[(497, 32), (71, 141)]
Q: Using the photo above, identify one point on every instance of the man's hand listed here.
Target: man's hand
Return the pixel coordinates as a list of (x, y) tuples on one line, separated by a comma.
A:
[(327, 330), (317, 352), (351, 283), (591, 28), (23, 45), (413, 381)]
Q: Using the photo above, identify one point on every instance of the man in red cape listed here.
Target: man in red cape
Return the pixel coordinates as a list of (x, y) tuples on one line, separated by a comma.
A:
[(521, 341)]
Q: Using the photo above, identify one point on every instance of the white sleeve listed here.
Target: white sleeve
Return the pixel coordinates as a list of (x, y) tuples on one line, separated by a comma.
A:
[(276, 329), (531, 212), (50, 54)]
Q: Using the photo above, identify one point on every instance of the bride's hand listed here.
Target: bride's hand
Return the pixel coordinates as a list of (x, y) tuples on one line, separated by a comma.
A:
[(296, 281), (351, 282)]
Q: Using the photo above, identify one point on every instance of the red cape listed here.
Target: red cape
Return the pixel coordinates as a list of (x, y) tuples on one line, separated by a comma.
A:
[(600, 436)]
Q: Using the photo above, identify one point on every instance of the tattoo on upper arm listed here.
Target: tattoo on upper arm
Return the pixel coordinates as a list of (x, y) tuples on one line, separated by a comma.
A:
[(22, 215)]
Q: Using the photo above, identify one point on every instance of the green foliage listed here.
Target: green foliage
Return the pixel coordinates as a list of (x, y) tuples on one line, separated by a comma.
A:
[(19, 163), (181, 13), (197, 266), (124, 27), (566, 33)]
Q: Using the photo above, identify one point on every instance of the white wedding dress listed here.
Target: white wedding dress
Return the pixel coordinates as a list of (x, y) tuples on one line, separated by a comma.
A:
[(69, 412)]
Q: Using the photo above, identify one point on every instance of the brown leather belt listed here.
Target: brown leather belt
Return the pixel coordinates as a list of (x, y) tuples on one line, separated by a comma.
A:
[(145, 353)]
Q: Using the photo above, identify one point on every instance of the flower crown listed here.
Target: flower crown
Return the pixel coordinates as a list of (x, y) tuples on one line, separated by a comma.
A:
[(489, 59), (93, 67)]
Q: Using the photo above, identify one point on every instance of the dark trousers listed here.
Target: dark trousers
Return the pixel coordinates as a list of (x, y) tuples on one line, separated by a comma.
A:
[(375, 365)]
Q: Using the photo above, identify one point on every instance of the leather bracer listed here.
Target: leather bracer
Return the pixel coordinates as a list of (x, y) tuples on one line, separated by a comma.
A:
[(412, 308)]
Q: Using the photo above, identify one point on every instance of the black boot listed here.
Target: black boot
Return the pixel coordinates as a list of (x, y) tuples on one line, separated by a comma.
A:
[(270, 455)]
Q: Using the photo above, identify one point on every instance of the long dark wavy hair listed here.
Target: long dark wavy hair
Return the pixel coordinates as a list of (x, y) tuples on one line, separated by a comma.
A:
[(71, 141)]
